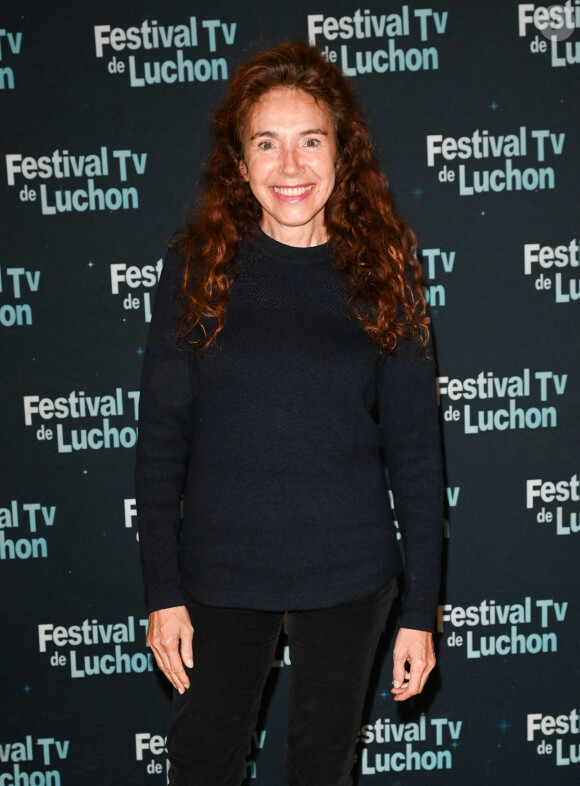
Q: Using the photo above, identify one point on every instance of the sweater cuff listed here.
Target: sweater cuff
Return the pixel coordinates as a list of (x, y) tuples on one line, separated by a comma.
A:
[(163, 596), (418, 618)]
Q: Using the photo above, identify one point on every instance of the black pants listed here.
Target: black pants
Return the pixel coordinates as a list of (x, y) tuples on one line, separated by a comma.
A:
[(332, 652)]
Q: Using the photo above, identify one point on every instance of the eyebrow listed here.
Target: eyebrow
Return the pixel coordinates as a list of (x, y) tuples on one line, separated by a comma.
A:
[(308, 132)]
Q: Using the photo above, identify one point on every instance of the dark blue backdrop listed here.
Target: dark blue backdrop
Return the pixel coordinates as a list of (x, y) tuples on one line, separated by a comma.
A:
[(105, 110)]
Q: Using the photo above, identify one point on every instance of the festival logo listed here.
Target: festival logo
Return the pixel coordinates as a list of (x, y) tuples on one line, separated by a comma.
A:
[(521, 160), (555, 736), (92, 648), (20, 526), (130, 513), (426, 744), (452, 500), (151, 749), (400, 41), (89, 175), (134, 285), (10, 45), (18, 285), (32, 761), (548, 30), (553, 269), (511, 627), (517, 391), (103, 410), (436, 262), (551, 501), (184, 42)]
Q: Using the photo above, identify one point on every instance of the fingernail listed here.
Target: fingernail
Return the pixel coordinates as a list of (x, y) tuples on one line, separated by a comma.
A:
[(396, 683), (189, 663)]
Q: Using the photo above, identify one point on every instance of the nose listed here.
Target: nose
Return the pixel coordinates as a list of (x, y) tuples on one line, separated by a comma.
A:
[(291, 163)]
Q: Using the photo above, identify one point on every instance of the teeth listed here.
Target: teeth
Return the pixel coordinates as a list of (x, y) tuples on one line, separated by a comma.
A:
[(292, 191)]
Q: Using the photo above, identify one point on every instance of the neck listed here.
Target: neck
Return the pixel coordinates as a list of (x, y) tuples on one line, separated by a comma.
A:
[(301, 236)]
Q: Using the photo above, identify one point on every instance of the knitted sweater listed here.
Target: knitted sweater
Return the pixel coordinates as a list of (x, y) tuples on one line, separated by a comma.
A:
[(277, 439)]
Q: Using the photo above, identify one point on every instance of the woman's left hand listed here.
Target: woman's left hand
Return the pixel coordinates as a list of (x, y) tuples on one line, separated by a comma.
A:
[(416, 648)]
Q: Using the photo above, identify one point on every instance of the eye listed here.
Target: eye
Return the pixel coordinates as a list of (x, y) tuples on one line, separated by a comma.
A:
[(265, 145), (312, 142)]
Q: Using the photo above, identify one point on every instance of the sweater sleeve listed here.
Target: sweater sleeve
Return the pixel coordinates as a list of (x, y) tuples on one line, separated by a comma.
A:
[(165, 419), (409, 421)]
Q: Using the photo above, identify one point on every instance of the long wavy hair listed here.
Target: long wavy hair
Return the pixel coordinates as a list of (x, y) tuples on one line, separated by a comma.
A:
[(372, 247)]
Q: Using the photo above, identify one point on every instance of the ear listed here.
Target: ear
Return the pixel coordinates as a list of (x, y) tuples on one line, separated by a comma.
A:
[(243, 169)]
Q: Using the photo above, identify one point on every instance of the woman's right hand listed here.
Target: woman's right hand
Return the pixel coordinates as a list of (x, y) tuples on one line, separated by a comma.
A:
[(168, 629)]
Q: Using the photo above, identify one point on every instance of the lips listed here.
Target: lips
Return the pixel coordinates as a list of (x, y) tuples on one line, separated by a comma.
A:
[(292, 193)]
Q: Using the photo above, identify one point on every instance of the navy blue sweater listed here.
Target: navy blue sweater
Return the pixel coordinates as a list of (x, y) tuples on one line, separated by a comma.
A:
[(276, 438)]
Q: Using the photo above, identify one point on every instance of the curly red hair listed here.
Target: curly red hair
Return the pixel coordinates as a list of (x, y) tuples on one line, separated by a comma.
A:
[(372, 247)]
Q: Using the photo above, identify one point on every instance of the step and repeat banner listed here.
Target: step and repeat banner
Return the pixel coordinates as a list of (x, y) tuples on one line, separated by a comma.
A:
[(105, 114)]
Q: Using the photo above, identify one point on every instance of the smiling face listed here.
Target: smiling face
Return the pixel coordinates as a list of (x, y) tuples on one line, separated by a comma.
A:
[(290, 152)]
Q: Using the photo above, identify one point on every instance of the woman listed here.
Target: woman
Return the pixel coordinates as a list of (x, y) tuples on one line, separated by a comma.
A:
[(294, 359)]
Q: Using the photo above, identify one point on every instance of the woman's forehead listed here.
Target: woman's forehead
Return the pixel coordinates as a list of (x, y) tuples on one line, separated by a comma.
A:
[(282, 105)]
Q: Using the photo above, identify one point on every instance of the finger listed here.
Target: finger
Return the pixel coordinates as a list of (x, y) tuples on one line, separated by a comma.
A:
[(167, 657), (399, 673), (178, 674), (163, 663), (187, 649), (427, 671), (414, 684), (417, 680), (158, 652)]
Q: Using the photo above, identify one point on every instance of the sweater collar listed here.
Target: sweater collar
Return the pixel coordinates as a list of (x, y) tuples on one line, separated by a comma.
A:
[(295, 254)]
